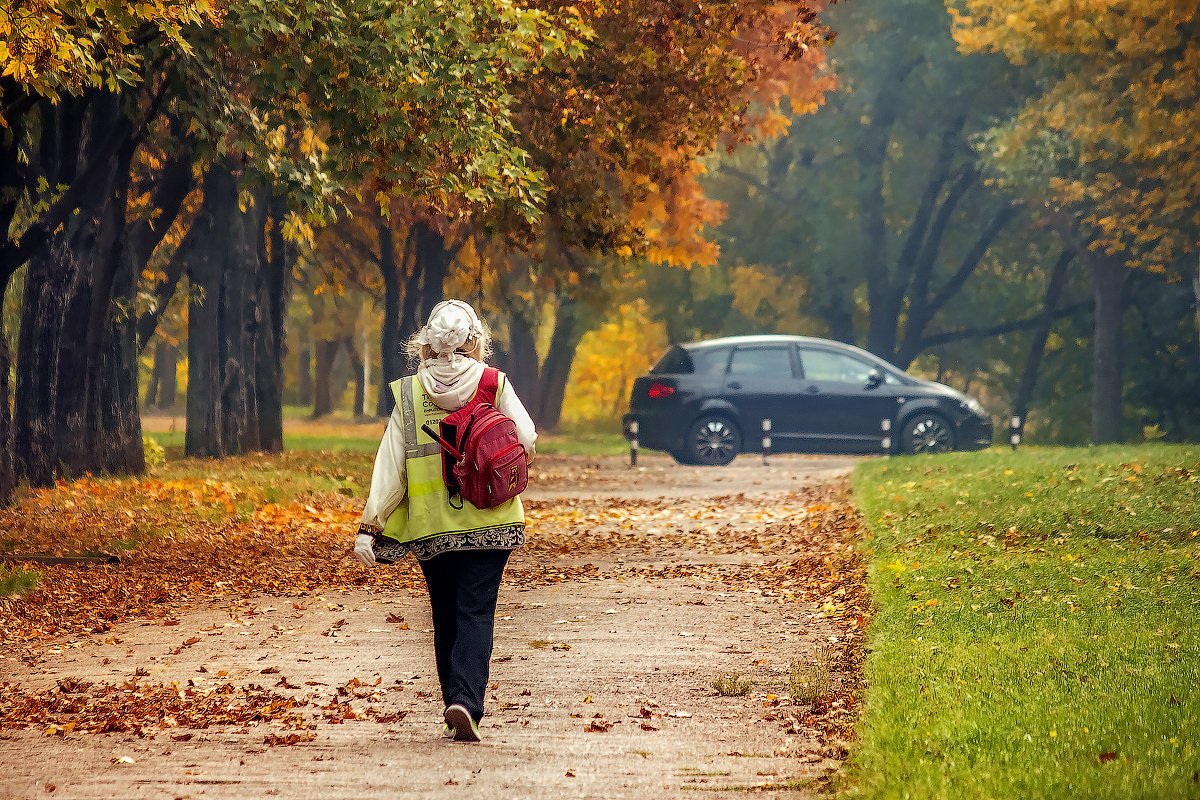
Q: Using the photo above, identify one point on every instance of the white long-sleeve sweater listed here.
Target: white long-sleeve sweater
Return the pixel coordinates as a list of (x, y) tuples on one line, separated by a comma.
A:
[(450, 386)]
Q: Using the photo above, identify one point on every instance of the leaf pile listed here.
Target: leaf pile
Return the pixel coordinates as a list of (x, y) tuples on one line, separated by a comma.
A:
[(182, 541), (86, 707)]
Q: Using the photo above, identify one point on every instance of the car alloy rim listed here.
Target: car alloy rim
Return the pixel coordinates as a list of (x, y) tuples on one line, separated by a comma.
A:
[(714, 441), (930, 436)]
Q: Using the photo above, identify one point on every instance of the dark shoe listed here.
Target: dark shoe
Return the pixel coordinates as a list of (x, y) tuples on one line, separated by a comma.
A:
[(465, 729)]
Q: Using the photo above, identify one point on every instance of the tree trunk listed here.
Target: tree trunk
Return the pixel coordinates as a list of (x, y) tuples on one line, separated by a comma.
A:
[(522, 361), (160, 393), (323, 378), (1037, 347), (304, 382), (556, 370), (872, 216), (8, 480), (223, 330), (77, 402), (151, 399), (167, 382), (390, 363), (273, 293), (434, 265), (1196, 293), (1108, 280), (838, 313), (47, 278), (356, 369)]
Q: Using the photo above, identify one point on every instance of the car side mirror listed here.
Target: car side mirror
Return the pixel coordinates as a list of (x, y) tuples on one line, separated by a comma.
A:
[(874, 379)]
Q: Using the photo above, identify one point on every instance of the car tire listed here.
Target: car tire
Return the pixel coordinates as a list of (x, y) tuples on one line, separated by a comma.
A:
[(926, 432), (712, 441), (682, 457)]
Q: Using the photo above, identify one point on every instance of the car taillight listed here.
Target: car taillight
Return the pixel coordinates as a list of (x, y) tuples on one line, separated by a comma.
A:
[(661, 390)]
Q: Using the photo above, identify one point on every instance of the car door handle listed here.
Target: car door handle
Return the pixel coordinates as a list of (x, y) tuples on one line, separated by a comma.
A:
[(814, 389), (734, 385)]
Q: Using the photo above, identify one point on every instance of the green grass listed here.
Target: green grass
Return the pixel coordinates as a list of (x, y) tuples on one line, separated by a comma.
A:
[(589, 444), (278, 478), (173, 443), (16, 580), (568, 443), (732, 685), (1036, 631)]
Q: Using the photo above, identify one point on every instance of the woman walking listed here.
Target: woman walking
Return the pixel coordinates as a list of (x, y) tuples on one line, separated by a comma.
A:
[(461, 549)]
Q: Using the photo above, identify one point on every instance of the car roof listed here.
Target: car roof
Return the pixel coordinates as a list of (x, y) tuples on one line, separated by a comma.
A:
[(779, 338), (766, 338)]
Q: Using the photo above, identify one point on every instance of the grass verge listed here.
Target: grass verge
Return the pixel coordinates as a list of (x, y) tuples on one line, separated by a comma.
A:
[(588, 444), (1036, 630), (172, 442)]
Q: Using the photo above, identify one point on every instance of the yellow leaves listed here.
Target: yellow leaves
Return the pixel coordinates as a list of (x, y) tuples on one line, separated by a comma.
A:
[(49, 47), (297, 229), (607, 361), (1129, 102), (769, 299)]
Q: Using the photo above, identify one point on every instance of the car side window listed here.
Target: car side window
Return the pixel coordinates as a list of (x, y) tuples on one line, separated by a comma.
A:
[(710, 360), (761, 361), (822, 365)]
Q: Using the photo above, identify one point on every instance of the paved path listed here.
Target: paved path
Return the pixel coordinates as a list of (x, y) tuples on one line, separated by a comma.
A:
[(602, 673)]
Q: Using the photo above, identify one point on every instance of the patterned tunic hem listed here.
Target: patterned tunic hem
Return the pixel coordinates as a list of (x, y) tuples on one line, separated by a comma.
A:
[(508, 537)]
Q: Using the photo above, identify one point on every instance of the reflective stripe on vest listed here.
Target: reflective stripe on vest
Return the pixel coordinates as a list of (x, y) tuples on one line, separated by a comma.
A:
[(425, 511)]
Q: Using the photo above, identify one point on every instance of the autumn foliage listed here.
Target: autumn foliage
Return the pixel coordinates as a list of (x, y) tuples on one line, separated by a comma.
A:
[(1123, 97)]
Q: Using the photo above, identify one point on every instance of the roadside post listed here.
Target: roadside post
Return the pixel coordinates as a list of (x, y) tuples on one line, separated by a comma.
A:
[(1014, 431), (633, 443), (766, 441), (885, 442)]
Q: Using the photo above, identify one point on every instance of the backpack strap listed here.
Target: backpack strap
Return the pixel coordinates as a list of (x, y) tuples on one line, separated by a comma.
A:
[(489, 385)]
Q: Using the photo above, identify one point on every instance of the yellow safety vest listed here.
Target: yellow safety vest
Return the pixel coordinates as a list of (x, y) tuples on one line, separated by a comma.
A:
[(425, 511)]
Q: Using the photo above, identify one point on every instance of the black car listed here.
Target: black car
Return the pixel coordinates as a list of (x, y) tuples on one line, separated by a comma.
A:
[(705, 402)]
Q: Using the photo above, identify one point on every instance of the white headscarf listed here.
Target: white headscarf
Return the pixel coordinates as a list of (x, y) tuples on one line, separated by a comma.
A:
[(452, 323), (450, 377)]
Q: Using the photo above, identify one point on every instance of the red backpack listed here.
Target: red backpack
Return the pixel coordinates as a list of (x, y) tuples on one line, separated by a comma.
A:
[(487, 464)]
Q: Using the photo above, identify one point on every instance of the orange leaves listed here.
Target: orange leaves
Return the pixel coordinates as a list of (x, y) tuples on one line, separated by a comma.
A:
[(1128, 104), (189, 538), (85, 707)]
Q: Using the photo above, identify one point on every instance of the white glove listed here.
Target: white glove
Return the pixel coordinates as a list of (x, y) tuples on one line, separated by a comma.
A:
[(364, 549)]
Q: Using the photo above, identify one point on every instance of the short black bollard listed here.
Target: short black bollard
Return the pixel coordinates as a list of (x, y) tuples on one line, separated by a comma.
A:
[(1014, 431), (633, 443), (766, 441)]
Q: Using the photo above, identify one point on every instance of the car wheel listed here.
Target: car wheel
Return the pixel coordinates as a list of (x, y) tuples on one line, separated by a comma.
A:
[(927, 433), (683, 457), (712, 441)]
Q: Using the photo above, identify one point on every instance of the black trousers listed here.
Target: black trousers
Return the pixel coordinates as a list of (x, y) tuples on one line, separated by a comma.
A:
[(463, 585)]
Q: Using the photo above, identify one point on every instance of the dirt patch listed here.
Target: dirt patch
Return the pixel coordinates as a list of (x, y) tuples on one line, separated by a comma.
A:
[(638, 588)]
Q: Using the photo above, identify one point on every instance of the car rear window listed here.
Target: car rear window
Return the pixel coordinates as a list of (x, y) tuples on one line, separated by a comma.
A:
[(674, 361), (703, 361)]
